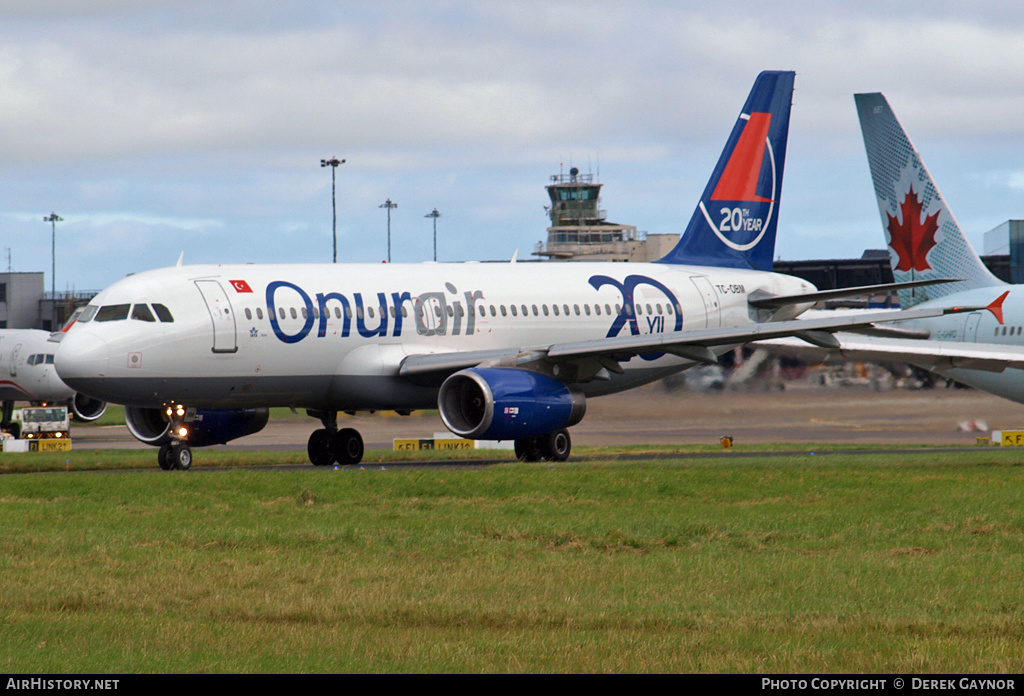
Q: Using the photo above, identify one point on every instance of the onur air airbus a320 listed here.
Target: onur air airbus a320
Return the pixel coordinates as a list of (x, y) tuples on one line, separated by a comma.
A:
[(507, 351)]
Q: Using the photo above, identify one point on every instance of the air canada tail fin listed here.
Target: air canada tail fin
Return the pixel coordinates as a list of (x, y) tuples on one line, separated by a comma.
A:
[(735, 221), (925, 241)]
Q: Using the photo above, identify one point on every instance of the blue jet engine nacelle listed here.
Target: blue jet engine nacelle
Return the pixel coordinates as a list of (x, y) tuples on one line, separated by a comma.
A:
[(210, 427), (497, 403)]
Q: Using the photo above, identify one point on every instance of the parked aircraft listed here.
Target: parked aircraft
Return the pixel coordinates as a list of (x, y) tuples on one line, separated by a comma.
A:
[(27, 373), (503, 350), (983, 348)]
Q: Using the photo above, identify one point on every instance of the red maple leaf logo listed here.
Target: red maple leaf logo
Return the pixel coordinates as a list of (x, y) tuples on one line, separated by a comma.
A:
[(913, 239)]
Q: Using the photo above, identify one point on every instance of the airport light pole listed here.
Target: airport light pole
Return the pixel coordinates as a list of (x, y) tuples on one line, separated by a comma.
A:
[(434, 214), (53, 219), (389, 205), (333, 164)]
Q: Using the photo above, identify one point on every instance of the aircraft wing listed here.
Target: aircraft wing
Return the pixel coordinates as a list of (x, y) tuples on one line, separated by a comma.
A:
[(589, 358), (931, 355)]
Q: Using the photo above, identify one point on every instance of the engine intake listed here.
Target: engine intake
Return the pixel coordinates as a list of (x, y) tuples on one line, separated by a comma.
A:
[(506, 404), (86, 408)]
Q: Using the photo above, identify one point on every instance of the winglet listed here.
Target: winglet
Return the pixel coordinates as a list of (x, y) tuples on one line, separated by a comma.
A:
[(997, 307), (181, 259)]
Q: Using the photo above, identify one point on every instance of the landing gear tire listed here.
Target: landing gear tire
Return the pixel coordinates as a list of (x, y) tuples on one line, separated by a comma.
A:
[(555, 446), (528, 449), (176, 455), (164, 458), (181, 456), (348, 446), (319, 448)]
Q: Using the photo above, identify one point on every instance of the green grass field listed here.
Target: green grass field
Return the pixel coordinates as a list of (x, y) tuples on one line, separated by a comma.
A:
[(843, 563)]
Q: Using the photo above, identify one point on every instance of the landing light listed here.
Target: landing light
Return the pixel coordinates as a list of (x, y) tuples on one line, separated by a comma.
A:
[(182, 432)]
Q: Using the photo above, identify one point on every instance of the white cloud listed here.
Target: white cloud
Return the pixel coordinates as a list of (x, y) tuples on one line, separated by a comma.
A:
[(172, 116)]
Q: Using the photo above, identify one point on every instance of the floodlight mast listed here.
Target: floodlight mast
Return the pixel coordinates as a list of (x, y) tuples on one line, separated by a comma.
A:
[(333, 164), (389, 205), (53, 219), (434, 214)]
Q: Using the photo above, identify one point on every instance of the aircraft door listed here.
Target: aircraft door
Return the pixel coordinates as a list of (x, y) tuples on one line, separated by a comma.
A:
[(14, 359), (712, 308), (971, 327), (431, 314), (221, 314)]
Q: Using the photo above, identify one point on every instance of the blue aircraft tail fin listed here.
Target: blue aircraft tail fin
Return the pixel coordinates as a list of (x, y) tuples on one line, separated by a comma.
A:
[(736, 219)]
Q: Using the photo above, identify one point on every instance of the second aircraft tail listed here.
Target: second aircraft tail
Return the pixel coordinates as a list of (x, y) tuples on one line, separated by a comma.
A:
[(925, 240)]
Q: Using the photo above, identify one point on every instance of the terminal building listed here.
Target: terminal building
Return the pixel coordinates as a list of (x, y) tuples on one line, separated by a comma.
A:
[(21, 296), (25, 304), (872, 268)]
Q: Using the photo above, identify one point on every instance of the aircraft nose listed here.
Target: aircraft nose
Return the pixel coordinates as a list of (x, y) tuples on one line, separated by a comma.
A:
[(81, 358)]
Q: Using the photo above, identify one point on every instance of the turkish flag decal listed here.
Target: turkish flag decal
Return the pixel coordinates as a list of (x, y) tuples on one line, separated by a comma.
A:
[(240, 286)]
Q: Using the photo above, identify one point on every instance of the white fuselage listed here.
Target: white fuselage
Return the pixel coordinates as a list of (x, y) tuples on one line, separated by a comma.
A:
[(982, 327), (27, 370), (332, 336)]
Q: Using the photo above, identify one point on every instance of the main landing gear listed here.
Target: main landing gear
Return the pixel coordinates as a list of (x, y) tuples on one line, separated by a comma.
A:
[(554, 446), (329, 445)]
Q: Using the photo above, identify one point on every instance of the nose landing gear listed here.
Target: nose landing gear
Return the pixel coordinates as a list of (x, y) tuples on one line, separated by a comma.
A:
[(176, 454)]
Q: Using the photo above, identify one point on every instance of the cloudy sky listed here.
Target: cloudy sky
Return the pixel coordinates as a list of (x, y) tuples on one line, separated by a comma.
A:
[(160, 126)]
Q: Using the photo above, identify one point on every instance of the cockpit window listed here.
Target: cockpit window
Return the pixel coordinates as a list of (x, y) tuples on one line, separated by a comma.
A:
[(142, 313), (113, 312), (88, 314), (163, 313)]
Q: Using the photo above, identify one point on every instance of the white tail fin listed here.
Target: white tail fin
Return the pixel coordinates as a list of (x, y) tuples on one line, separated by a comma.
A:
[(925, 241)]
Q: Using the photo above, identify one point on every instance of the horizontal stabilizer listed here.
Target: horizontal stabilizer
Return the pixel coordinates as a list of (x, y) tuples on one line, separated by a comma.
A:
[(773, 302)]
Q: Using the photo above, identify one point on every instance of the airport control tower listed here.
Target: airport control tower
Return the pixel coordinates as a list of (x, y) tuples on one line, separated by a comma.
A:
[(579, 229)]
